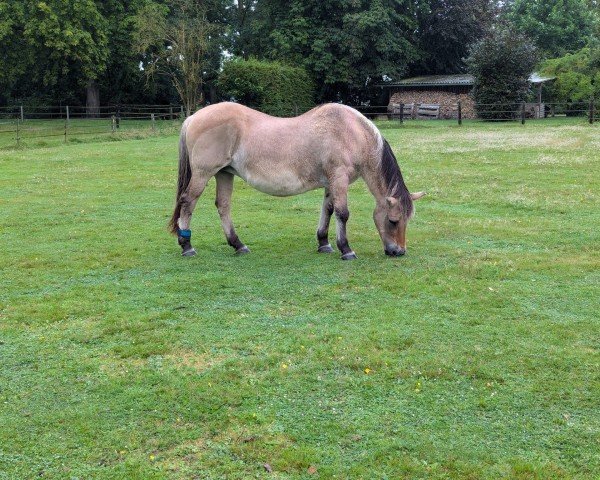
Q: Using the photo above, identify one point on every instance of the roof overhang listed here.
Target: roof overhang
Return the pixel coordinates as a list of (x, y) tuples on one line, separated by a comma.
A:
[(535, 78), (459, 80)]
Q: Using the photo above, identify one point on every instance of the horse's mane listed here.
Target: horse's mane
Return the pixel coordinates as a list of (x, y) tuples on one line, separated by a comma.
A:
[(393, 181)]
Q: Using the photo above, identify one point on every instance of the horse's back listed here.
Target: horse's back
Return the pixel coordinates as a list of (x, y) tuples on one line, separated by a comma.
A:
[(281, 156)]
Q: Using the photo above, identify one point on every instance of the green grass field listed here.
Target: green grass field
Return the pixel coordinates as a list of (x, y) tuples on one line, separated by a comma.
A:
[(474, 356)]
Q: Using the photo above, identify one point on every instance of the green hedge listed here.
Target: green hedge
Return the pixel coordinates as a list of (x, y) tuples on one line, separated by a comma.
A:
[(270, 87)]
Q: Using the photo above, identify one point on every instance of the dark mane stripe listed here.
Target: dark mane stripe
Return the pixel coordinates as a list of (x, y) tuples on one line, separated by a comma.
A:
[(393, 181)]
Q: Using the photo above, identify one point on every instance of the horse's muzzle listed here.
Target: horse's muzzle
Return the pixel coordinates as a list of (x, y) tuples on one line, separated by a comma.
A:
[(394, 251)]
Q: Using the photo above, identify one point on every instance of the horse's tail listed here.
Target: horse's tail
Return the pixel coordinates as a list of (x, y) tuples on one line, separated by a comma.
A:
[(185, 174)]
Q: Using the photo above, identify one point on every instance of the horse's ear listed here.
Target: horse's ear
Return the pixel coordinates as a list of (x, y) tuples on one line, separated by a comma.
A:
[(391, 201), (417, 195)]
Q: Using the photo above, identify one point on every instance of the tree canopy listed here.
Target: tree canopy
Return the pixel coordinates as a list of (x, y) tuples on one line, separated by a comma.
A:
[(446, 29), (577, 75), (179, 43), (501, 64), (53, 45), (62, 50), (556, 27), (344, 44)]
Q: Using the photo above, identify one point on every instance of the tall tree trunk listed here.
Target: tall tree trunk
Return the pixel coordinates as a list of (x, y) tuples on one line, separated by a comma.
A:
[(212, 94), (92, 103)]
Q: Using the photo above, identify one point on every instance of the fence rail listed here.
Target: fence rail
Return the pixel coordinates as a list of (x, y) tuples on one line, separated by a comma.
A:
[(22, 124), (481, 112)]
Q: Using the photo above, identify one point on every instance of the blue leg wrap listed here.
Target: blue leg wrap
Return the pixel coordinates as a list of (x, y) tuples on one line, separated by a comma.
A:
[(184, 233)]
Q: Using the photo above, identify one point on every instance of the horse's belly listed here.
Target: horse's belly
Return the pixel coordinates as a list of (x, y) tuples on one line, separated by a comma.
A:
[(279, 182)]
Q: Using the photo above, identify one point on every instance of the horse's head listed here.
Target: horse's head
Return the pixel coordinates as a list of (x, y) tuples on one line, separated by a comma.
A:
[(391, 219)]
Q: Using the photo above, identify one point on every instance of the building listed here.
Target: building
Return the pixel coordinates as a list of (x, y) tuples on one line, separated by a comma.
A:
[(437, 96), (443, 90)]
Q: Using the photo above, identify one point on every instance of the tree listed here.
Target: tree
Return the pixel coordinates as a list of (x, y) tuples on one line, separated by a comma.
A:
[(577, 77), (241, 38), (13, 52), (178, 42), (122, 80), (59, 51), (501, 63), (344, 44), (52, 45), (72, 43), (445, 30), (556, 27)]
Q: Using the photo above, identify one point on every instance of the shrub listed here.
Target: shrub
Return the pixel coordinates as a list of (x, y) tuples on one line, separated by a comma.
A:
[(577, 79), (271, 87), (501, 64)]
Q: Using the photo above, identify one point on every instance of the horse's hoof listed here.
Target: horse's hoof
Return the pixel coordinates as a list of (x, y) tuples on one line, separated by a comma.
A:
[(242, 250), (325, 249), (188, 253), (349, 256)]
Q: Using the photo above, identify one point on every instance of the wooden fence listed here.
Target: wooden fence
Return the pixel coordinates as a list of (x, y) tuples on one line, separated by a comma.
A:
[(23, 124)]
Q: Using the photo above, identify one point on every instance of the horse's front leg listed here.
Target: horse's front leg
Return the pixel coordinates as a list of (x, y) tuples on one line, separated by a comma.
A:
[(339, 190), (223, 204), (323, 229)]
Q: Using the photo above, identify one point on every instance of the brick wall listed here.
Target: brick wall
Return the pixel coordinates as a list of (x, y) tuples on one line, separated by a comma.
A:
[(446, 100)]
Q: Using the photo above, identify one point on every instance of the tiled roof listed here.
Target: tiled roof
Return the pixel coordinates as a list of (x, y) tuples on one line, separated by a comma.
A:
[(436, 80), (462, 79)]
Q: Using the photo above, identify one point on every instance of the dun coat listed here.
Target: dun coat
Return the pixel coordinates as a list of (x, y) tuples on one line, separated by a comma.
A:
[(328, 147)]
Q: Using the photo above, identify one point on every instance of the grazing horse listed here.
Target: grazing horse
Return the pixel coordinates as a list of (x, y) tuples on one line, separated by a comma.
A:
[(328, 147)]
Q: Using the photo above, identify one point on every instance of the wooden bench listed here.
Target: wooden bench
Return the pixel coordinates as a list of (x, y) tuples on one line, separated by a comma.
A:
[(426, 111)]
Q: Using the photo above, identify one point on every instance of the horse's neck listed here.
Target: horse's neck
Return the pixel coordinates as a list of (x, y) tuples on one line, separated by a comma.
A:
[(375, 183)]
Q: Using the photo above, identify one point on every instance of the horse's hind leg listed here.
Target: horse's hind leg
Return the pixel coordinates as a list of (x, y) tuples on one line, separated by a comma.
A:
[(323, 229), (188, 203), (223, 204)]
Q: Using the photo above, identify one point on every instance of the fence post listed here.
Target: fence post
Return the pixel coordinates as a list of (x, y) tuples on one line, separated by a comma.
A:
[(459, 113), (18, 134), (153, 123), (522, 113), (401, 113), (182, 114), (66, 123), (591, 110), (68, 117), (22, 114), (113, 123)]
